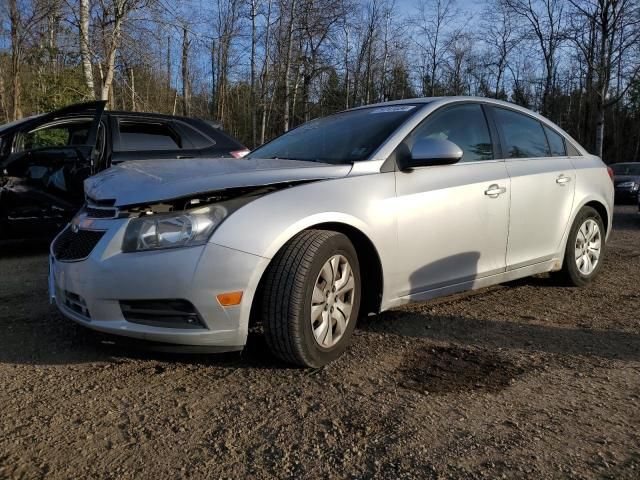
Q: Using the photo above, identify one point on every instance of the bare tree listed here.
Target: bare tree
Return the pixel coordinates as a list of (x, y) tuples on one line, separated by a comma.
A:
[(614, 31), (434, 16), (547, 23), (498, 31)]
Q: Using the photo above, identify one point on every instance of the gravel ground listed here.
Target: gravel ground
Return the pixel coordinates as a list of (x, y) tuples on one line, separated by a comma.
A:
[(525, 380)]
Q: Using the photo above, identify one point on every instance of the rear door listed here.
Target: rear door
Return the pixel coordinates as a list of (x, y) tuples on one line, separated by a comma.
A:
[(542, 187), (43, 166)]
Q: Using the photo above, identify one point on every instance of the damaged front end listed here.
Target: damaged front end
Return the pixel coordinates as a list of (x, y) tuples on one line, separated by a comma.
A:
[(182, 222)]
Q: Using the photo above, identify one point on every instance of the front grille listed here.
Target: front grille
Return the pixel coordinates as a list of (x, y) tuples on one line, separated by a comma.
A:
[(92, 212), (78, 245), (172, 313)]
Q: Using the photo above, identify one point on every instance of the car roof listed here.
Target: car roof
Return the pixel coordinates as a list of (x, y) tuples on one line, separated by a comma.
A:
[(440, 101), (160, 116), (449, 99)]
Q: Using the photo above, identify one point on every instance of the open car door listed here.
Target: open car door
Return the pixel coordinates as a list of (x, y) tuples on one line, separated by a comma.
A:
[(44, 161)]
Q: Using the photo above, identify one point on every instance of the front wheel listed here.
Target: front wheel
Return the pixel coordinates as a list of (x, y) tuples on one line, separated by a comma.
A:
[(584, 253), (311, 298)]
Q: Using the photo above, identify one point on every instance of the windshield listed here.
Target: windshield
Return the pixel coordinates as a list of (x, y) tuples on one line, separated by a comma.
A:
[(626, 169), (341, 138)]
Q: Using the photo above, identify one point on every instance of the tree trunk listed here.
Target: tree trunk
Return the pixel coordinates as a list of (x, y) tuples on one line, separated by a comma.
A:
[(85, 51), (168, 71), (253, 106), (107, 81), (265, 77), (213, 79), (186, 100), (16, 54), (599, 129), (133, 90), (287, 69)]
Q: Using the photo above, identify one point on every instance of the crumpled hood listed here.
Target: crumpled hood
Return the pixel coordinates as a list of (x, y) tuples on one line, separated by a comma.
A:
[(146, 181)]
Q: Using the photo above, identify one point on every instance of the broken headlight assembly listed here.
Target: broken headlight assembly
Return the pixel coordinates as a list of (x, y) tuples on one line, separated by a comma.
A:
[(185, 228)]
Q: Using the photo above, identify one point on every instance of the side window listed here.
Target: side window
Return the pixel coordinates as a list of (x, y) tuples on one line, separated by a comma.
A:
[(199, 139), (464, 125), (556, 142), (51, 136), (523, 136), (147, 136)]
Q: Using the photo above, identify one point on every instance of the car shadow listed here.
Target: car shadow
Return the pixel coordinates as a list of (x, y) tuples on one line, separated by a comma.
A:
[(24, 248), (44, 337), (517, 334), (511, 335)]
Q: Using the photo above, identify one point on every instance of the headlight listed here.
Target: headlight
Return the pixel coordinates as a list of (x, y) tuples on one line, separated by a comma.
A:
[(177, 229), (628, 185)]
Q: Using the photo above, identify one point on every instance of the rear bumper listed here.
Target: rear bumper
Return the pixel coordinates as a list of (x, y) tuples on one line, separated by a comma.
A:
[(89, 291)]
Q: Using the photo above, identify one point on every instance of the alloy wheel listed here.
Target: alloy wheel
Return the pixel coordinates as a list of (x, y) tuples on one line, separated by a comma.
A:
[(332, 301), (588, 246)]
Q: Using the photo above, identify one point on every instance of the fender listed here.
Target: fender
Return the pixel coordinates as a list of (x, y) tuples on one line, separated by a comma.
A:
[(364, 202)]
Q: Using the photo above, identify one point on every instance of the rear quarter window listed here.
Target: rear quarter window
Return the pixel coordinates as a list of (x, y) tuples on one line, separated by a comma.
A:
[(147, 136), (556, 143)]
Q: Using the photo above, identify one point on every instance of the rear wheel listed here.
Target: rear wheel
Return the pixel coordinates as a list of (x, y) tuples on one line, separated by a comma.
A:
[(584, 253), (311, 298)]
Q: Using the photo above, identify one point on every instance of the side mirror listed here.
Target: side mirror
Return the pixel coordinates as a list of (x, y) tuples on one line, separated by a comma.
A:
[(432, 151)]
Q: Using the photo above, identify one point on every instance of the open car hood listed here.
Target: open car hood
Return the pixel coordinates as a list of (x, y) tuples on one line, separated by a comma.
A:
[(147, 181)]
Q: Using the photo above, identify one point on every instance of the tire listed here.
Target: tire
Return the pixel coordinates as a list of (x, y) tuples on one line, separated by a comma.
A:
[(288, 297), (571, 274)]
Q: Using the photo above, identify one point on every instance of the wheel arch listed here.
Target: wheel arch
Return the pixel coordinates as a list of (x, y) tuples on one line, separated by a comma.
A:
[(602, 210), (371, 272)]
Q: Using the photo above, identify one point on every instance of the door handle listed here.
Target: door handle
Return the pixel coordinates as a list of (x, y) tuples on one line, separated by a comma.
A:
[(494, 190), (562, 180)]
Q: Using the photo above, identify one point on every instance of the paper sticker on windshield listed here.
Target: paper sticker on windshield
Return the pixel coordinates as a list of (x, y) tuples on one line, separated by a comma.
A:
[(392, 109)]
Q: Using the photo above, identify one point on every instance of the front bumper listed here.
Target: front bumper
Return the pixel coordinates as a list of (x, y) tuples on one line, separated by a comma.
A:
[(89, 291)]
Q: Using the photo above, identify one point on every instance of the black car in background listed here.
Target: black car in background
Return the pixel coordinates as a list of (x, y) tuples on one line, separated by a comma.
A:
[(626, 179), (44, 160)]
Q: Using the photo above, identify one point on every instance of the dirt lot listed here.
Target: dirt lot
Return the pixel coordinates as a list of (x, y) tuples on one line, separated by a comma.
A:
[(525, 380)]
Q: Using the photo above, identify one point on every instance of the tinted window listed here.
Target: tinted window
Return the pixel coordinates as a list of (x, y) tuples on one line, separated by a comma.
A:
[(199, 139), (556, 143), (523, 136), (147, 136), (341, 138), (464, 125)]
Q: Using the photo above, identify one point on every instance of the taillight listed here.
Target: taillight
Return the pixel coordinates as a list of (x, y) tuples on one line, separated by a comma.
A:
[(610, 172), (239, 153)]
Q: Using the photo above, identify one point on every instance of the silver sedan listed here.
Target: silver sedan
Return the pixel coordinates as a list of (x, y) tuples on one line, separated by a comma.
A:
[(344, 216)]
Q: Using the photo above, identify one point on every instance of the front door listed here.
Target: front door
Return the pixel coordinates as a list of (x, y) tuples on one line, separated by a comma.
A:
[(453, 219), (44, 165)]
